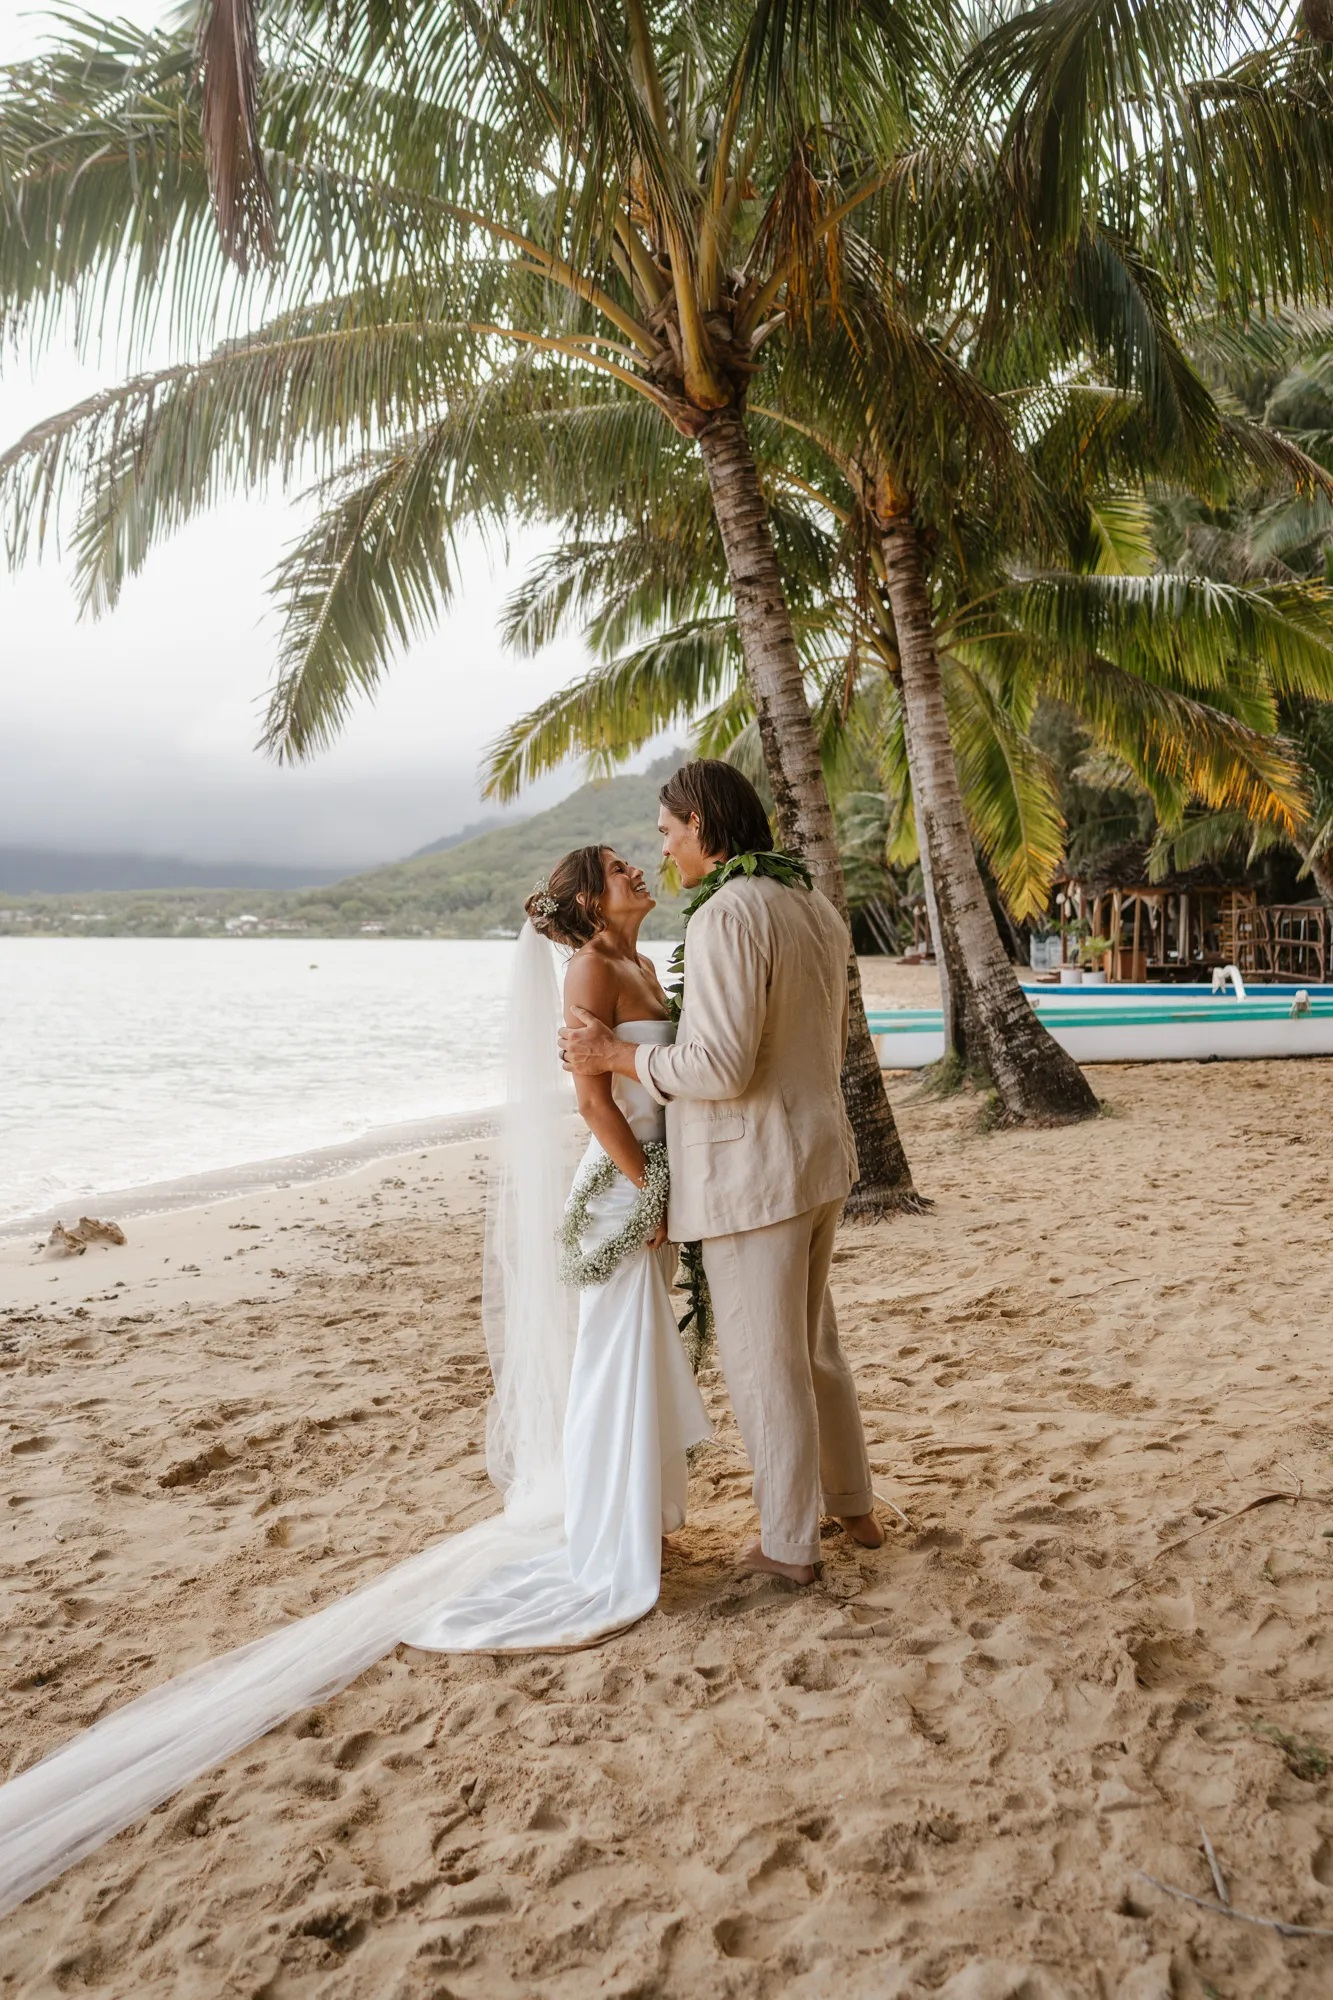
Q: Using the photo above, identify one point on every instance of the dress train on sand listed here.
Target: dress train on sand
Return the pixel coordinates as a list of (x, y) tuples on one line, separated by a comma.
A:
[(588, 1430)]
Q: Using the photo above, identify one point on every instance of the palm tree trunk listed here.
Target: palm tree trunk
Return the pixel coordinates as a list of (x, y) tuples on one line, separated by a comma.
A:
[(953, 988), (1320, 866), (791, 754), (1036, 1080)]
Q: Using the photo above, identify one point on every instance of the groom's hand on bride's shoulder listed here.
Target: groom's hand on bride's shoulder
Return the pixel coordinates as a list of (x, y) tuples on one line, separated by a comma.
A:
[(589, 1048)]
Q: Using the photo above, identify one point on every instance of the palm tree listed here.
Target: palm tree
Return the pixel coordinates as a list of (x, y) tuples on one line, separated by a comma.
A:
[(939, 509), (1178, 681), (659, 197), (911, 511), (648, 195), (1208, 135), (1070, 224), (1070, 277)]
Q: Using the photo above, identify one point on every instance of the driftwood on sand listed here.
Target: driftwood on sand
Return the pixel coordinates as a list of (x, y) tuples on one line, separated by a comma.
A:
[(1220, 1521), (1278, 1924), (74, 1242)]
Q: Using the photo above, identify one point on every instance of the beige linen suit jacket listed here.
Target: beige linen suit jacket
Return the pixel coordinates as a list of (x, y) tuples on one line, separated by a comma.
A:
[(756, 1129)]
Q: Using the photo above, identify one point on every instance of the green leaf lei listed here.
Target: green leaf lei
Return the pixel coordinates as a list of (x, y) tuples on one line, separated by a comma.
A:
[(697, 1325), (639, 1224), (788, 869)]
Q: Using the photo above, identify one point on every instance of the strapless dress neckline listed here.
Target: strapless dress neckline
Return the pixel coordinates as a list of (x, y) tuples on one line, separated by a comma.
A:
[(646, 1031)]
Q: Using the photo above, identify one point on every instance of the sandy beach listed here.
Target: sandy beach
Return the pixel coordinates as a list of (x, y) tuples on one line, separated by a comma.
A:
[(945, 1770)]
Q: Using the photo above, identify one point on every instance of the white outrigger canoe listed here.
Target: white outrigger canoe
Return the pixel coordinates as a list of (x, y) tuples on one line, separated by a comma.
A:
[(1109, 1024)]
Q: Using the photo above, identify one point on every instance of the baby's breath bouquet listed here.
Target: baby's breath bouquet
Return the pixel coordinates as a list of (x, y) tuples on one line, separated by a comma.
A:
[(641, 1222)]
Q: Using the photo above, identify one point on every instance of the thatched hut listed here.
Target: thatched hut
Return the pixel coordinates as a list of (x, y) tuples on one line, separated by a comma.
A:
[(1188, 922)]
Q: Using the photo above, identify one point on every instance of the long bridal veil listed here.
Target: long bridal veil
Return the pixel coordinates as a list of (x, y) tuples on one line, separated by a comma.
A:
[(530, 1317), (102, 1780)]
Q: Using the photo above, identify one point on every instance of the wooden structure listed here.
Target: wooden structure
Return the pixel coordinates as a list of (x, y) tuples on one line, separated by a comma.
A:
[(1156, 932), (1285, 942), (1185, 926)]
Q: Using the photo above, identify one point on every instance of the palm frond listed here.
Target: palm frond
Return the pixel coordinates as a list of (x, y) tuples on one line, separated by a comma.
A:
[(1180, 748), (1120, 540), (618, 707), (1187, 631), (1208, 836), (228, 53), (730, 729), (371, 574), (1009, 788)]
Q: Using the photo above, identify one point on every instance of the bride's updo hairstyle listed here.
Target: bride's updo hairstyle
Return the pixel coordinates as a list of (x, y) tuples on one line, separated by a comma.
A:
[(566, 907)]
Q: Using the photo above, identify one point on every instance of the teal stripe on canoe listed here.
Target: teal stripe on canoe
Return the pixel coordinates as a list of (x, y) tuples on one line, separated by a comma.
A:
[(1100, 1016)]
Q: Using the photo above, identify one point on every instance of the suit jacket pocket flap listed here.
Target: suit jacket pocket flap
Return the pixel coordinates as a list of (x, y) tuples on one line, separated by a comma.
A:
[(707, 1128)]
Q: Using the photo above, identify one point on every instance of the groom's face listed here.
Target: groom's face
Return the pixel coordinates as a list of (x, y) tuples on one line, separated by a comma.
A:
[(680, 843)]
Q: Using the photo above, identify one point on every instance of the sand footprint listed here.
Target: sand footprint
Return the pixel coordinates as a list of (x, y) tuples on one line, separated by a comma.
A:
[(780, 1886), (80, 1610), (355, 1750), (744, 1936), (189, 1471), (294, 1531), (814, 1671)]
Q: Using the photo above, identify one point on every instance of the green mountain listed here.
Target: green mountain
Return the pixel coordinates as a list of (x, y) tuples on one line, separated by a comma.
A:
[(468, 832), (480, 886), (475, 889)]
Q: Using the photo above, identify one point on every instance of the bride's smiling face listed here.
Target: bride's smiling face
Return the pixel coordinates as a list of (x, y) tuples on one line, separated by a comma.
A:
[(626, 892)]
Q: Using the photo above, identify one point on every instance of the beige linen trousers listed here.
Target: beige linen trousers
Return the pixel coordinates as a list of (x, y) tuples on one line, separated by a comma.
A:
[(762, 1158)]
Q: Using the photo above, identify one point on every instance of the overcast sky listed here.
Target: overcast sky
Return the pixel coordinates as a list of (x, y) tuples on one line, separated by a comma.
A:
[(138, 731)]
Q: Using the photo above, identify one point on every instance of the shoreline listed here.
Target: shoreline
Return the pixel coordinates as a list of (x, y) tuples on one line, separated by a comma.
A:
[(207, 1243), (134, 1092), (303, 1168), (886, 982)]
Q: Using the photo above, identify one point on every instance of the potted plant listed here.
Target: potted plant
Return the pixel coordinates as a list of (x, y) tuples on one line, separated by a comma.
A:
[(1071, 971), (1090, 952)]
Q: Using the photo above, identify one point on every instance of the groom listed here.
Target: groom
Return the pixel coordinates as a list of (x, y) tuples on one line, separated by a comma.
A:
[(762, 1157)]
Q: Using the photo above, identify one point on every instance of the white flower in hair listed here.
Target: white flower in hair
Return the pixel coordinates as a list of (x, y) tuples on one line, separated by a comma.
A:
[(543, 901)]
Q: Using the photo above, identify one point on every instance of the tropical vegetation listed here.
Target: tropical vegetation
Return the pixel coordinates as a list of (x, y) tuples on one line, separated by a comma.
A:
[(891, 334), (1178, 680)]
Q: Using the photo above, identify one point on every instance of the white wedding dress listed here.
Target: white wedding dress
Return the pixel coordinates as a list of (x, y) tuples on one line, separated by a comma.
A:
[(633, 1412), (593, 1411)]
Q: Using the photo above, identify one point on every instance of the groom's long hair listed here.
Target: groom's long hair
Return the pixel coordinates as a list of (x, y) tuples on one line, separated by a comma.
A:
[(731, 813)]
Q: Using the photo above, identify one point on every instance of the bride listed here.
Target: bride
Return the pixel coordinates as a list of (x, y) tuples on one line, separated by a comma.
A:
[(594, 1408)]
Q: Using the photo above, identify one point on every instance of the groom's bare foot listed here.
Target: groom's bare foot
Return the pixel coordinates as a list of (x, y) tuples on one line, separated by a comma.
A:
[(863, 1528), (755, 1560)]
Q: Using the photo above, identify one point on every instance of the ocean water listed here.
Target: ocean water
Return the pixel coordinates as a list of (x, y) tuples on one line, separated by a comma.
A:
[(128, 1061)]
